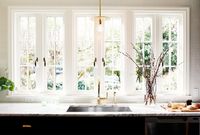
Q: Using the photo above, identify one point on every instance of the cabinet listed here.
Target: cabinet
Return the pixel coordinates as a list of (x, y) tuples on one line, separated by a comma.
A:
[(72, 125), (98, 125), (172, 126)]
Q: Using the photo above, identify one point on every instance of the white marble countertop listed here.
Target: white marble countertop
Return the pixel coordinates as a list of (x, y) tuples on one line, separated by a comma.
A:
[(39, 109)]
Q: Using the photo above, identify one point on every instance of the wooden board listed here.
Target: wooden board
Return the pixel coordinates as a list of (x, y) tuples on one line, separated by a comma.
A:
[(179, 110), (187, 110)]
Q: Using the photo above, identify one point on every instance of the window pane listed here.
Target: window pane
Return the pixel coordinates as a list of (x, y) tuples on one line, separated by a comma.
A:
[(85, 53), (27, 44), (113, 27), (50, 78), (143, 45), (55, 46), (168, 82), (143, 29)]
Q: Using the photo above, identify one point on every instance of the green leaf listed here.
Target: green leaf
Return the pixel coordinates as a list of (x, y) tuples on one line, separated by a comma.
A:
[(6, 84)]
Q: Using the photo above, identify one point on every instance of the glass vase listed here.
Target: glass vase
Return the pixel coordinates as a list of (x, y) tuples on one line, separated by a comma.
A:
[(150, 96)]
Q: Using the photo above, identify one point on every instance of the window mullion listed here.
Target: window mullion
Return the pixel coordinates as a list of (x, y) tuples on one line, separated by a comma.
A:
[(16, 54), (39, 48)]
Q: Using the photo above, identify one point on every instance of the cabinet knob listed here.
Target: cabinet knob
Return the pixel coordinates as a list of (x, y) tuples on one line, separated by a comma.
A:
[(26, 126)]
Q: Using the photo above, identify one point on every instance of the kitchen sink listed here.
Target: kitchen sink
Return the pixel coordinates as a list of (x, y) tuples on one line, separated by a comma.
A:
[(98, 108)]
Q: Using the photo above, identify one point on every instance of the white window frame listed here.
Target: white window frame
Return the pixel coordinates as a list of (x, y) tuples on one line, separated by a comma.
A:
[(128, 34), (98, 55), (41, 15), (156, 15)]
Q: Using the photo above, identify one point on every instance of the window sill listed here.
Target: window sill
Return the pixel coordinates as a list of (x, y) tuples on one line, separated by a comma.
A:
[(89, 99)]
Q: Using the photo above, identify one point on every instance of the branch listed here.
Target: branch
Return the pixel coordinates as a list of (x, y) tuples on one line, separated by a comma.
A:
[(128, 56), (160, 60), (143, 64)]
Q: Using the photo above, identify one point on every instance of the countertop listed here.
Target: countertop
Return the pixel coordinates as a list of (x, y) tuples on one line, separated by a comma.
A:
[(39, 109)]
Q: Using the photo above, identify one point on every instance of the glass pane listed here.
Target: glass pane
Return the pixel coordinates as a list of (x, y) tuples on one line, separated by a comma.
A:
[(59, 78), (147, 29), (23, 57), (116, 28), (174, 28), (31, 57), (166, 58), (170, 28), (50, 57), (108, 30), (85, 53), (139, 79), (174, 55), (147, 53), (50, 78), (139, 30), (143, 29), (169, 80), (59, 55), (165, 29), (23, 78), (31, 78)]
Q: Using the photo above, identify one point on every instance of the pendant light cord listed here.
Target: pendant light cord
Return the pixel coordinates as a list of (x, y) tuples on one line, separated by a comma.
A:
[(100, 21)]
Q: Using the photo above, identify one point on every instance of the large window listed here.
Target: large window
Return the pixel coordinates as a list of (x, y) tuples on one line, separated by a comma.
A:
[(160, 32), (97, 53), (38, 56), (63, 51)]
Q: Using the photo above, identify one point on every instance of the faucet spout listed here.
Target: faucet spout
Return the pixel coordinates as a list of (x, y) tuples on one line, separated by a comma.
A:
[(100, 99)]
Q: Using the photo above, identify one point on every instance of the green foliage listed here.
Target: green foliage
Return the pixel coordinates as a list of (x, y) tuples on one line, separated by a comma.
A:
[(6, 84), (117, 73)]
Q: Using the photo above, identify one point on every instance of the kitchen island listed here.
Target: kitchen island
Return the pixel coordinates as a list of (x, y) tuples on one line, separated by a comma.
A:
[(37, 118)]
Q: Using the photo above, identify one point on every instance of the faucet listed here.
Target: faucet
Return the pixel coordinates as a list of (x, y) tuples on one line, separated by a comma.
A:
[(101, 100)]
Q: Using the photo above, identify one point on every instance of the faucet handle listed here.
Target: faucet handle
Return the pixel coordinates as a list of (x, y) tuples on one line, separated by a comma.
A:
[(114, 96)]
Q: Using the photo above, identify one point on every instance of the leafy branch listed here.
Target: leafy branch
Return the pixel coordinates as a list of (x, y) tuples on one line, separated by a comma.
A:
[(149, 71)]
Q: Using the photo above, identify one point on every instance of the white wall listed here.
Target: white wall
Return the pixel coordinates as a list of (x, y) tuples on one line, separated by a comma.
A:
[(195, 24)]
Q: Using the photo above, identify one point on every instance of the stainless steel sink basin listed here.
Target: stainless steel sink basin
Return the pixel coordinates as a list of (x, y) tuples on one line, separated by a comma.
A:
[(98, 108)]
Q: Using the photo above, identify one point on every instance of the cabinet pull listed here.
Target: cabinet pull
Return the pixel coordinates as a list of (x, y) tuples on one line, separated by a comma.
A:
[(26, 126)]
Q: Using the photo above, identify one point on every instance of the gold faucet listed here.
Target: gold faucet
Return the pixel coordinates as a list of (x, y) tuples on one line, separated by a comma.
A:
[(101, 100)]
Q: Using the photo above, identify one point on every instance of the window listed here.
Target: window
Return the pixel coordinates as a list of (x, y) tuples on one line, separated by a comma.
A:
[(97, 53), (161, 31), (38, 56), (61, 51)]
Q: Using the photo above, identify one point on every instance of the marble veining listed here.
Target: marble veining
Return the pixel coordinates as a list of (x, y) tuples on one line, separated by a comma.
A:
[(38, 109)]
